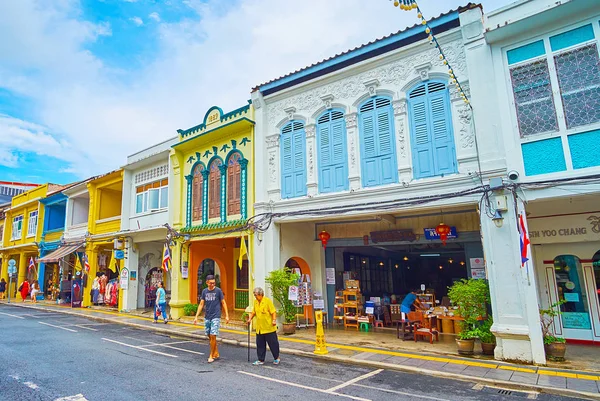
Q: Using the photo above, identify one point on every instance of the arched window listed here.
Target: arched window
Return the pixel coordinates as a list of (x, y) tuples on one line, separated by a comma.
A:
[(432, 138), (214, 189), (234, 184), (293, 160), (378, 151), (197, 192), (333, 161)]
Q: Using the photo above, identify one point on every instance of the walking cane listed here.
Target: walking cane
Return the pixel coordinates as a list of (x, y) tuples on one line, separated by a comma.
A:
[(248, 342)]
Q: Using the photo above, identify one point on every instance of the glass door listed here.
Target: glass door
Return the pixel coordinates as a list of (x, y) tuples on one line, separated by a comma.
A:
[(572, 289)]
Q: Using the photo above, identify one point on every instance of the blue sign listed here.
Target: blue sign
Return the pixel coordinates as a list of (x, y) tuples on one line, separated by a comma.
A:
[(432, 235), (12, 266), (119, 254)]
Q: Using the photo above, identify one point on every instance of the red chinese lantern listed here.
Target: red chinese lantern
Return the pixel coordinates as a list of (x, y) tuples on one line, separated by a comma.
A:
[(443, 230), (324, 237)]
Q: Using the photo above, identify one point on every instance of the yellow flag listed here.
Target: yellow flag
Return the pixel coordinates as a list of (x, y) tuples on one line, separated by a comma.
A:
[(243, 251), (112, 265), (78, 263)]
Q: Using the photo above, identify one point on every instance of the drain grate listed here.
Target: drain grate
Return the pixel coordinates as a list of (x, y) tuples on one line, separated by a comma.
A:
[(505, 392), (532, 395)]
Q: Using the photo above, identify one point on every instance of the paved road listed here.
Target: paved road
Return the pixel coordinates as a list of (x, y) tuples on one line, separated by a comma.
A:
[(52, 356)]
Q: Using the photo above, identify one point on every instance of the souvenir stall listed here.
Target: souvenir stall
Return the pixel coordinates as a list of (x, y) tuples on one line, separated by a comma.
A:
[(154, 276), (105, 287), (304, 301)]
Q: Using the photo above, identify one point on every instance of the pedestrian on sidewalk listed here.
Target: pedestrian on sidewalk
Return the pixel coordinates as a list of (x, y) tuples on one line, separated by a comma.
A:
[(213, 299), (161, 303), (266, 327), (24, 289), (35, 289), (2, 288)]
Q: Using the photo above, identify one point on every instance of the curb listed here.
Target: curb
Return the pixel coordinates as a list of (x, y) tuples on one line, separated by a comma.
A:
[(332, 358)]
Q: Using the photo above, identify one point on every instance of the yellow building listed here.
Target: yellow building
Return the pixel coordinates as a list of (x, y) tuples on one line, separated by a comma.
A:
[(104, 224), (213, 196), (22, 233)]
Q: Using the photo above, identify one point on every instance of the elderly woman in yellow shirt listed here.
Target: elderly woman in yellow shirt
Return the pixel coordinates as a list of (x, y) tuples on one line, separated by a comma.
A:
[(266, 327)]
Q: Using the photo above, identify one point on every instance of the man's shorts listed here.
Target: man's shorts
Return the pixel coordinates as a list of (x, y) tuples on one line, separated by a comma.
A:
[(211, 326)]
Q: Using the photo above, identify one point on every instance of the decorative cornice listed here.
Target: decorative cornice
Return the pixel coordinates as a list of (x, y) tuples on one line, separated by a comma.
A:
[(351, 120), (224, 117), (214, 226), (310, 130), (272, 141)]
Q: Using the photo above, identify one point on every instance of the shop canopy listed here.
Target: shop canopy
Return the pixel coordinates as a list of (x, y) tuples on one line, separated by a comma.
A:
[(56, 255)]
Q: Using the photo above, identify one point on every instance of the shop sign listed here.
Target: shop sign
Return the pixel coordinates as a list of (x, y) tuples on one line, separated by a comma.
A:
[(293, 293), (119, 254), (431, 234), (576, 320), (184, 270), (124, 283), (477, 268), (571, 228), (330, 275), (393, 236)]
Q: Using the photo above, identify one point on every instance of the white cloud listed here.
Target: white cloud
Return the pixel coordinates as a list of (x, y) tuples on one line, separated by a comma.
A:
[(155, 16), (92, 120), (137, 20)]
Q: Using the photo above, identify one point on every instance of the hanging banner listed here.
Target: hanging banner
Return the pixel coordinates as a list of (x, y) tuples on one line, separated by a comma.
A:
[(76, 293)]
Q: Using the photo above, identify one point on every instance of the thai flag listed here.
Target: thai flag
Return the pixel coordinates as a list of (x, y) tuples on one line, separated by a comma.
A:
[(31, 264), (166, 258), (86, 263), (524, 240)]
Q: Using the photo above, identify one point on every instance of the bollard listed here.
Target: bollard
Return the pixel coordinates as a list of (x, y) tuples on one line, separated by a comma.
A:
[(320, 347)]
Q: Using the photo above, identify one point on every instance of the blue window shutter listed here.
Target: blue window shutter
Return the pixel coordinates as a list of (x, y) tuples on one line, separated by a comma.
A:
[(299, 145), (377, 142), (444, 160), (287, 181), (433, 149), (333, 162)]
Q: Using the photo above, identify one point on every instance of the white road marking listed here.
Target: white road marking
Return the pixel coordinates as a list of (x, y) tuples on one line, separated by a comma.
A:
[(78, 397), (58, 327), (355, 380), (301, 374), (31, 385), (15, 316), (167, 345), (302, 386), (83, 327), (412, 395), (140, 348)]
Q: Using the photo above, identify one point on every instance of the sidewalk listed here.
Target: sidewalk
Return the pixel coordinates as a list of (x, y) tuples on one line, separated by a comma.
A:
[(576, 383)]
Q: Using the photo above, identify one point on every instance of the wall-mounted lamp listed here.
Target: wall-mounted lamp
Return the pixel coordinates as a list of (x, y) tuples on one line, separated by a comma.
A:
[(186, 237), (498, 219), (405, 258), (259, 237)]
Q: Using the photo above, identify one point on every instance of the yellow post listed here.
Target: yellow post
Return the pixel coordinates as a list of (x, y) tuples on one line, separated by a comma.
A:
[(320, 346)]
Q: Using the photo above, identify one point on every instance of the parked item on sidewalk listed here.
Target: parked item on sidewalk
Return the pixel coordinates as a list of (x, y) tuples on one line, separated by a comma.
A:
[(214, 300), (161, 303), (266, 326)]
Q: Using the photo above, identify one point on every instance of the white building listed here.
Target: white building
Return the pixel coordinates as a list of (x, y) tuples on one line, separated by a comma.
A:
[(145, 211), (534, 69), (376, 147)]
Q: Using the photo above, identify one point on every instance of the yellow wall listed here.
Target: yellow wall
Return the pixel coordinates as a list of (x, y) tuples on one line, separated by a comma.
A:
[(110, 203), (105, 202), (223, 132), (24, 204)]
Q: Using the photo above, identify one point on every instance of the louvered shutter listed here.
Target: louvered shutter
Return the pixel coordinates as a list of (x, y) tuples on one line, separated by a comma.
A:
[(197, 195), (214, 202), (326, 178), (298, 145), (385, 144), (369, 146), (422, 144), (443, 143), (233, 185), (287, 172), (339, 157)]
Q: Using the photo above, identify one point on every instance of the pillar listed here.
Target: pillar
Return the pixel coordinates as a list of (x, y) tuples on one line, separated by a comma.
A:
[(131, 263), (266, 256), (512, 287), (353, 151), (403, 158), (311, 161), (4, 268), (22, 271), (92, 255), (180, 288)]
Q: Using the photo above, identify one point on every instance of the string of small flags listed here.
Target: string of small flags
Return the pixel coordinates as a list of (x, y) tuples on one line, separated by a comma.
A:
[(408, 5)]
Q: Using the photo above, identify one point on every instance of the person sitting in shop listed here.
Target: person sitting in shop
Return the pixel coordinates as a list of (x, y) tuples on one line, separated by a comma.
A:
[(409, 300)]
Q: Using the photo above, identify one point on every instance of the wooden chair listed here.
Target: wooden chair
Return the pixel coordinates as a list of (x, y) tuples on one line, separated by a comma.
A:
[(427, 328)]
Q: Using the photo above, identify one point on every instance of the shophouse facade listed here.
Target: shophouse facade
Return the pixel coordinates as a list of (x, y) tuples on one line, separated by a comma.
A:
[(535, 72), (144, 218), (104, 243), (373, 149), (212, 182), (23, 232)]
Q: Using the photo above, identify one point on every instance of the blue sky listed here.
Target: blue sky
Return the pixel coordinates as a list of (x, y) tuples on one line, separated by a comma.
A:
[(84, 83)]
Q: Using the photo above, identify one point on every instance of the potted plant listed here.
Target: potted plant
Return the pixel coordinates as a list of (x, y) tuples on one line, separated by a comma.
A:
[(555, 347), (488, 340), (280, 282), (471, 296)]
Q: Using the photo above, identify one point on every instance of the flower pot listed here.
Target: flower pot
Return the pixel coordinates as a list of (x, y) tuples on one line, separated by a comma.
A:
[(488, 348), (289, 328), (556, 351), (465, 347)]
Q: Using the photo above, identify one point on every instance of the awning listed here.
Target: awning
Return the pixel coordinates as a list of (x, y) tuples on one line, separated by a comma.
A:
[(59, 253)]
